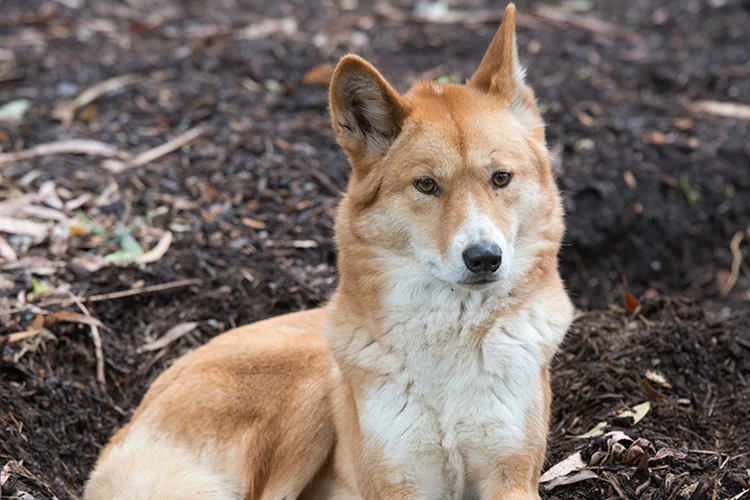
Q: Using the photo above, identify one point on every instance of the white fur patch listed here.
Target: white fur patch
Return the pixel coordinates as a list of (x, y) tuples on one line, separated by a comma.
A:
[(148, 466), (455, 400)]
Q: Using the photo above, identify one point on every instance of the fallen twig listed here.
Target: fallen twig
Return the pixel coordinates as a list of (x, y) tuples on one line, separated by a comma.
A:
[(117, 167), (98, 350), (740, 494), (542, 17), (159, 250), (65, 112), (588, 23), (108, 296), (174, 333), (734, 274), (70, 146), (726, 109)]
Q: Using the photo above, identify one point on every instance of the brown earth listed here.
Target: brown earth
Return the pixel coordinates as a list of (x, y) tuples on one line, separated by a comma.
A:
[(654, 189)]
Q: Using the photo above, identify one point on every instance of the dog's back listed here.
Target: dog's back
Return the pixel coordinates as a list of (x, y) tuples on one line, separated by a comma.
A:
[(246, 416)]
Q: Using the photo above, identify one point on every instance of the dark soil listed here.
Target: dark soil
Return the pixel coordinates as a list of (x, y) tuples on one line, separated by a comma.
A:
[(654, 191)]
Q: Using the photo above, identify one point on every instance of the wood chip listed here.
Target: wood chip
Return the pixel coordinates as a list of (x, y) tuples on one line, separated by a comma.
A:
[(65, 112), (24, 227), (159, 250), (657, 378), (146, 157), (12, 205), (18, 336), (69, 146), (78, 202), (174, 333), (43, 213), (6, 251)]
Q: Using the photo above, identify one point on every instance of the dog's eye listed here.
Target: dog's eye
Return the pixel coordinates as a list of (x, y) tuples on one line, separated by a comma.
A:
[(426, 185), (501, 179)]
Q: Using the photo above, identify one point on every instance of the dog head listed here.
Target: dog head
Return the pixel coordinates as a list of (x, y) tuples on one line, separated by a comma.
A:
[(449, 182)]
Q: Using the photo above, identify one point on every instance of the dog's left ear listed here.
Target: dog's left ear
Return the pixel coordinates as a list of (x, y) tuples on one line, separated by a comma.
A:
[(500, 72)]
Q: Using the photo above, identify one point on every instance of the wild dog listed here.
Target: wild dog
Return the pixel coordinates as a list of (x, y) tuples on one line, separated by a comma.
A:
[(427, 375)]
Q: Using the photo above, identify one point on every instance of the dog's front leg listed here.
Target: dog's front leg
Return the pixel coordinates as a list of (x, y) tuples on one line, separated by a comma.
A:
[(513, 478)]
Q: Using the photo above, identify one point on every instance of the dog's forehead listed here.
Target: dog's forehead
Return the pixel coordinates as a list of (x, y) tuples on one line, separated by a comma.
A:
[(455, 125)]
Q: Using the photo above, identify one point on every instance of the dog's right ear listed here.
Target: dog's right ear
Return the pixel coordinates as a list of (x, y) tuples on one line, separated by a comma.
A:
[(367, 112)]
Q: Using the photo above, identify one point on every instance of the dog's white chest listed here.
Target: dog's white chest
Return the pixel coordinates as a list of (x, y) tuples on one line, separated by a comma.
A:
[(451, 405)]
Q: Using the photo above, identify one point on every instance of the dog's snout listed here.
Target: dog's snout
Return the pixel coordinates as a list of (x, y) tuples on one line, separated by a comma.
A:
[(483, 258)]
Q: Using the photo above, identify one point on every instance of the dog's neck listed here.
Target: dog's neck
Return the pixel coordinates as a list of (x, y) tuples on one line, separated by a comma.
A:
[(386, 301)]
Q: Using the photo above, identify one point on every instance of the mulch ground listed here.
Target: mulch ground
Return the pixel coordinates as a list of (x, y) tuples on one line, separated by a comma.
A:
[(233, 223)]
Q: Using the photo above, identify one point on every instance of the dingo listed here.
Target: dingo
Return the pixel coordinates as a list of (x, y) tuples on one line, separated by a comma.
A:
[(426, 377)]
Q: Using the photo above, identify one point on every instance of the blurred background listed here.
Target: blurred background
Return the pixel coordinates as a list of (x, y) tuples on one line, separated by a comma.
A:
[(168, 171)]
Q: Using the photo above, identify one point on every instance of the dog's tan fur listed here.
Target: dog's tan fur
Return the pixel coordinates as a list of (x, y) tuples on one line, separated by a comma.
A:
[(408, 384)]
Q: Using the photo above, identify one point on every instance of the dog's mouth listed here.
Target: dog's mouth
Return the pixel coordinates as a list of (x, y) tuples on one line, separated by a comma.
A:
[(479, 281)]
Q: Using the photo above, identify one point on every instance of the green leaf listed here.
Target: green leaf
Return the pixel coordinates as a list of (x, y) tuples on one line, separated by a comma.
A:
[(91, 226), (452, 78), (40, 287), (121, 256), (128, 241)]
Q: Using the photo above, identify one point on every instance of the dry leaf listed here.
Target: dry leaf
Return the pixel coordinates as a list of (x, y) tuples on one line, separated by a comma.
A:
[(72, 317), (4, 474), (574, 478), (637, 412), (172, 334), (651, 392), (319, 74), (573, 463), (630, 303), (669, 452), (159, 250), (616, 437), (595, 432)]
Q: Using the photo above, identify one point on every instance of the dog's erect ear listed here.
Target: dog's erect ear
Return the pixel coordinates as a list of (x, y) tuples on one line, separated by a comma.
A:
[(500, 71), (367, 112)]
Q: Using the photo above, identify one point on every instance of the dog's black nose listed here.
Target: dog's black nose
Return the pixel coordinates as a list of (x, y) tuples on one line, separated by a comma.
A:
[(483, 258)]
